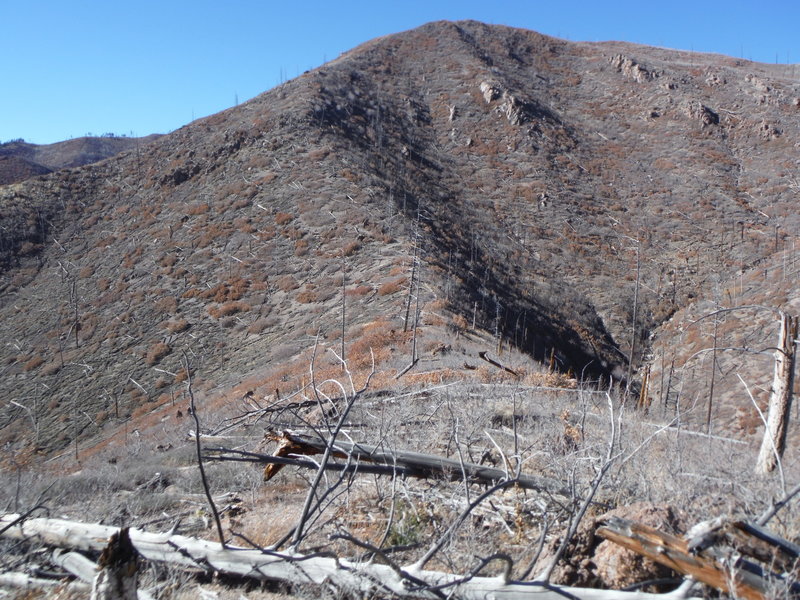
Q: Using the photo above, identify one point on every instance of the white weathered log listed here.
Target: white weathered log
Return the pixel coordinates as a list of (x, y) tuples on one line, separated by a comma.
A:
[(780, 400), (24, 581), (77, 564), (348, 576)]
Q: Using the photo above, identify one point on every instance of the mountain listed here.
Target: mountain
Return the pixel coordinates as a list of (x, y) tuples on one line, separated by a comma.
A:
[(554, 202), (20, 160)]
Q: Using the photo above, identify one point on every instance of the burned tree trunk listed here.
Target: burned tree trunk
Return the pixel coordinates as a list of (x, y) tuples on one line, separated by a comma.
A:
[(117, 570), (780, 401)]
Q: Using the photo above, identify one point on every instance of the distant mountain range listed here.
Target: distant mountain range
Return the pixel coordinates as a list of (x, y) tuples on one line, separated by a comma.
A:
[(576, 206), (20, 160)]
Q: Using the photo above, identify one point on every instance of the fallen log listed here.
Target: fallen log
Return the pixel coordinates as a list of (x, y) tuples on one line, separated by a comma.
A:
[(412, 464), (23, 581), (705, 557), (349, 577), (87, 571)]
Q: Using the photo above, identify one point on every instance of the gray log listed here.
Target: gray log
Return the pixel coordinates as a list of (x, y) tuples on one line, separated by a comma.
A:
[(413, 464), (349, 577)]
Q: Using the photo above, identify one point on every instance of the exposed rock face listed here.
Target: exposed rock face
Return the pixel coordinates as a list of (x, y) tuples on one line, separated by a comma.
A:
[(490, 91), (715, 79), (511, 106), (700, 112), (631, 69)]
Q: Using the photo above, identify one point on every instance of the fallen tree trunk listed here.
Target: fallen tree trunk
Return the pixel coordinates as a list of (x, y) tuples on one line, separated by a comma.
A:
[(705, 559), (85, 570), (400, 462), (23, 581), (349, 577)]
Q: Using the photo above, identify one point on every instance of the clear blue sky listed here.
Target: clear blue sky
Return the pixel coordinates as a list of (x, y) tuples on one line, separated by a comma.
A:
[(70, 67)]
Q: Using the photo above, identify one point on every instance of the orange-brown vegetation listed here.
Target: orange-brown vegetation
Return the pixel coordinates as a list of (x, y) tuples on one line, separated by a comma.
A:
[(156, 352), (392, 287)]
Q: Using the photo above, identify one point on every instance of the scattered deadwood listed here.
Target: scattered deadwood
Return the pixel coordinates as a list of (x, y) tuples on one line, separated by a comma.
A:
[(714, 555), (348, 577), (411, 464)]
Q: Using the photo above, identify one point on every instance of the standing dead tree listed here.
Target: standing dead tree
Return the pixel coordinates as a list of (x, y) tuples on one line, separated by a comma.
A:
[(780, 400)]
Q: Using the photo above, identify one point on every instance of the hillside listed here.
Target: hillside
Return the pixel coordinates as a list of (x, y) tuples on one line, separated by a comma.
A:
[(562, 199), (20, 160), (463, 241)]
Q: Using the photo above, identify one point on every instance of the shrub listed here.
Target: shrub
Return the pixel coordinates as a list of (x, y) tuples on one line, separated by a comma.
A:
[(157, 352), (359, 290), (227, 309), (198, 209), (287, 283), (177, 326), (32, 363), (283, 218), (259, 325), (307, 296), (51, 368), (351, 248), (391, 287), (300, 248), (167, 304)]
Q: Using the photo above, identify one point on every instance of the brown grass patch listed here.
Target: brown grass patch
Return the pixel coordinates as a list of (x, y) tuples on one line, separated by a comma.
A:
[(156, 353), (392, 287), (227, 309)]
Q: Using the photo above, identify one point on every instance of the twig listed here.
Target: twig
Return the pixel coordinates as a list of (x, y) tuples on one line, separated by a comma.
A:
[(298, 532), (776, 506), (439, 544), (573, 528), (198, 448)]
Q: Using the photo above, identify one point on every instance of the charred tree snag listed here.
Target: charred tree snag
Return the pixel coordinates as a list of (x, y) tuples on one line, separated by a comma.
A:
[(117, 569)]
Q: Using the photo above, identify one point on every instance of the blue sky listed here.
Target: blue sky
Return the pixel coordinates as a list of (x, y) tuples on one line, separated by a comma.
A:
[(70, 67)]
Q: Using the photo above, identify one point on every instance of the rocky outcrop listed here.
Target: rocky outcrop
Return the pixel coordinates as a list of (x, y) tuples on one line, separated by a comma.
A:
[(511, 106), (700, 112), (631, 69)]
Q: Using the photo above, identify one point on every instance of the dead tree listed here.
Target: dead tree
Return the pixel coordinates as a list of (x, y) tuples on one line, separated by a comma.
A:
[(780, 400), (400, 462), (350, 578)]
